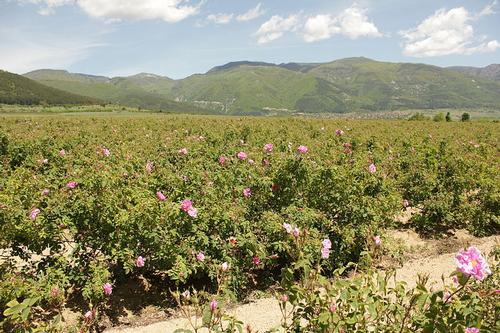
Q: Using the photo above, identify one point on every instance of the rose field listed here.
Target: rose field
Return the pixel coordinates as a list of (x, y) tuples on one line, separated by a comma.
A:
[(206, 211)]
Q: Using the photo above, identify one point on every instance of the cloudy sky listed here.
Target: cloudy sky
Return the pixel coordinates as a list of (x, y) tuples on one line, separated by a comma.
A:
[(181, 37)]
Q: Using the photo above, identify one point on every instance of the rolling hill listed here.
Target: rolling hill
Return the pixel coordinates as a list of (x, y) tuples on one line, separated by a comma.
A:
[(491, 72), (17, 89), (246, 87), (143, 90)]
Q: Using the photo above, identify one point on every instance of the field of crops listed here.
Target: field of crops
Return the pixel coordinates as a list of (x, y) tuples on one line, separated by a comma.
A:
[(242, 203)]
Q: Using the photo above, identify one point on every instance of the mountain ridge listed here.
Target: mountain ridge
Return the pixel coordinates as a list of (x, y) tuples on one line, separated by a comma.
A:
[(254, 87)]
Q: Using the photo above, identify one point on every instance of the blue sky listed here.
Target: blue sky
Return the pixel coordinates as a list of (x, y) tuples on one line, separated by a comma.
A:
[(177, 38)]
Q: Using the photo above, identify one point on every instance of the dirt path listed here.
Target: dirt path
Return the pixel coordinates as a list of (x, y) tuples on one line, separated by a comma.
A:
[(435, 258)]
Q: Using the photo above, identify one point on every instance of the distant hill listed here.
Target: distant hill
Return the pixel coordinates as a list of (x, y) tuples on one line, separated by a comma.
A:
[(247, 87), (148, 91), (17, 89), (489, 72)]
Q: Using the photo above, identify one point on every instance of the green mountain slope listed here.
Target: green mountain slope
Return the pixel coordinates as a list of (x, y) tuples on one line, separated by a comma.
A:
[(143, 90), (491, 72), (16, 89), (245, 87)]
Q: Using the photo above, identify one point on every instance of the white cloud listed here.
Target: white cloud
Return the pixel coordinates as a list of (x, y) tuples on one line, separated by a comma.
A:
[(251, 14), (29, 51), (220, 18), (352, 22), (447, 32), (275, 27), (167, 10), (488, 9)]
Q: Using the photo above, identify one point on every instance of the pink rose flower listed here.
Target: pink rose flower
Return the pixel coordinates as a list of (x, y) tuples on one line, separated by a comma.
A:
[(45, 191), (88, 316), (325, 253), (265, 162), (296, 232), (288, 228), (251, 162), (71, 185), (268, 147), (186, 204), (213, 305), (327, 244), (106, 152), (107, 288), (160, 196), (339, 132), (183, 151), (471, 263), (62, 152), (284, 298), (200, 256), (372, 168), (34, 213), (222, 160), (332, 307), (302, 149), (256, 261), (139, 262), (377, 240), (471, 330), (247, 193), (193, 212), (242, 155)]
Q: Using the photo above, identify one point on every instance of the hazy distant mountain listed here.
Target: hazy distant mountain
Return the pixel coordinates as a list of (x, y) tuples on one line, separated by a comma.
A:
[(246, 87), (143, 90), (489, 72), (17, 89)]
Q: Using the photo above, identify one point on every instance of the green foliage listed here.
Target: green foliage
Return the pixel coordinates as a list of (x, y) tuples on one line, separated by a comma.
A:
[(465, 116), (97, 230), (439, 117), (448, 117), (418, 117), (16, 89)]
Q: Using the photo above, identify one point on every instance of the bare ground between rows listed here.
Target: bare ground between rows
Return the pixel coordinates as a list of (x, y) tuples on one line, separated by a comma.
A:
[(432, 257)]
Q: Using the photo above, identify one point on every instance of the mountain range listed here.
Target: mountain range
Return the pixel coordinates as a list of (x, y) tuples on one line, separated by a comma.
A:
[(245, 87)]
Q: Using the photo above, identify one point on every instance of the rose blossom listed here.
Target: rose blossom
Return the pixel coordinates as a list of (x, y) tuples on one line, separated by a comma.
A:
[(296, 232), (288, 228), (471, 330), (160, 196), (327, 244), (332, 307), (186, 204), (62, 152), (139, 262), (256, 261), (106, 152), (200, 256), (339, 132), (213, 305), (302, 149), (34, 213), (222, 160), (471, 263), (45, 191), (247, 192), (242, 155), (377, 240), (107, 288), (71, 185), (372, 168), (224, 266), (193, 212), (88, 316), (268, 147), (183, 151), (325, 253)]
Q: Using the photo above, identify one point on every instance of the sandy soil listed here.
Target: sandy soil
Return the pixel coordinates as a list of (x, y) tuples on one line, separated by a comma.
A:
[(432, 257)]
